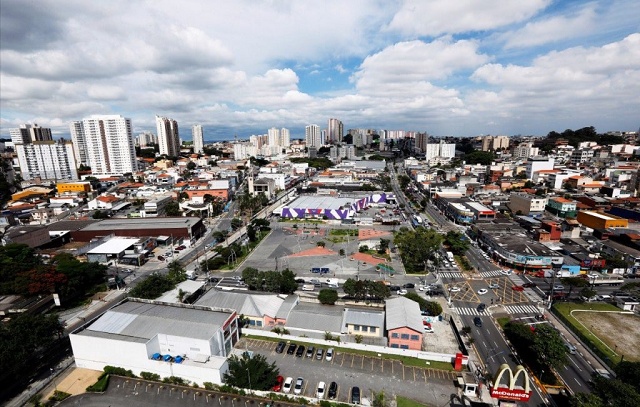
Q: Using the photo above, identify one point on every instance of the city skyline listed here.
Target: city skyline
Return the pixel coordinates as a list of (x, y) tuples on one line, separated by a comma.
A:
[(447, 68)]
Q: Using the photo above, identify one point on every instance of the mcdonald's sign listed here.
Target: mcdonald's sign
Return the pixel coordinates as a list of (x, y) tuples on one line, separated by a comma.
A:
[(511, 391)]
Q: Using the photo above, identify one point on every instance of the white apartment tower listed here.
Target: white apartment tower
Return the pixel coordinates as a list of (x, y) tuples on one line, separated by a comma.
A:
[(273, 137), (79, 142), (198, 138), (312, 136), (29, 133), (107, 143), (47, 160), (285, 137), (168, 136), (146, 139), (335, 131)]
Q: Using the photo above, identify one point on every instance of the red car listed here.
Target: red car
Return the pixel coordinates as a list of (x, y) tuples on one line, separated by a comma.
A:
[(517, 288), (278, 384)]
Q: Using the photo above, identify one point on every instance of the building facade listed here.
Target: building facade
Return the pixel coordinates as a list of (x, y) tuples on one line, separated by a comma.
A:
[(312, 136), (526, 204), (335, 130), (47, 160), (29, 133), (198, 138), (79, 142), (168, 136)]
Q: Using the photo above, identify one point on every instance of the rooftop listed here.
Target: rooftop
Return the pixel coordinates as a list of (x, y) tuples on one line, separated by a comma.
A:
[(143, 223), (403, 312), (114, 245)]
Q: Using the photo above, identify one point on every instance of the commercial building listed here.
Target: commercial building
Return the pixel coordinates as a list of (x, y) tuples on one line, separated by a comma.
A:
[(28, 133), (463, 210), (178, 227), (599, 220), (47, 160), (73, 187), (198, 138), (168, 136), (307, 206), (535, 164), (562, 207), (525, 150), (146, 139), (191, 342), (106, 143), (526, 204)]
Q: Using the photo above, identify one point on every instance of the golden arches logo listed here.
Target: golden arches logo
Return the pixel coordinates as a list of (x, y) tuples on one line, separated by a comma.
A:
[(520, 370)]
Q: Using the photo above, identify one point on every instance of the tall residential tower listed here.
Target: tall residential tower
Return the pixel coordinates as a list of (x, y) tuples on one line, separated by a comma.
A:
[(198, 138), (168, 136)]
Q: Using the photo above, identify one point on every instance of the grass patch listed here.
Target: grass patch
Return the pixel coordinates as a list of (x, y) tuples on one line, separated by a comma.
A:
[(463, 262), (405, 402), (503, 321), (564, 309), (343, 232), (406, 360)]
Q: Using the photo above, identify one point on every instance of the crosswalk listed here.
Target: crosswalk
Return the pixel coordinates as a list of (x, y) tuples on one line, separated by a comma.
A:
[(492, 273), (450, 274), (511, 309)]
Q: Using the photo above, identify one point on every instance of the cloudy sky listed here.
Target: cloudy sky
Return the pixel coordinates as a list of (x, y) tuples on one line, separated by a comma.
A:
[(463, 67)]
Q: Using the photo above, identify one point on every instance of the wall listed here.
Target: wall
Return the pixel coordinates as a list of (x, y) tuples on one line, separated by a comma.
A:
[(399, 341)]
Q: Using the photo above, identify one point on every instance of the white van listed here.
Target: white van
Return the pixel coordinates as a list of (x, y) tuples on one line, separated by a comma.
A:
[(308, 287)]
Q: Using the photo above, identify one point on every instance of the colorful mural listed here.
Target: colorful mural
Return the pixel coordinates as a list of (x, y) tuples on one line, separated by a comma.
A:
[(345, 213)]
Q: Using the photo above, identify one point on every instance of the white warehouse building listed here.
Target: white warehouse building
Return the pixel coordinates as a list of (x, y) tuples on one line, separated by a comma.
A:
[(187, 341)]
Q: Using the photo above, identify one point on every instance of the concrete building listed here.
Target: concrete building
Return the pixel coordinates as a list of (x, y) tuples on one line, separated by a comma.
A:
[(562, 207), (47, 160), (178, 227), (335, 131), (312, 136), (285, 138), (599, 220), (106, 143), (525, 150), (30, 133), (166, 339), (168, 136), (146, 139), (79, 141), (404, 324), (493, 143), (535, 164), (198, 138), (526, 203)]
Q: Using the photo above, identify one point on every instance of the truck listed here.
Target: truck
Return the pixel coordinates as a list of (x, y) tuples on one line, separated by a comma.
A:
[(450, 257), (558, 274), (191, 274), (606, 281)]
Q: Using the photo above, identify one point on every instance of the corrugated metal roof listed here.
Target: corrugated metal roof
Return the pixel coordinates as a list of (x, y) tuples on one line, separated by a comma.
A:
[(403, 312), (255, 305), (362, 317), (315, 317)]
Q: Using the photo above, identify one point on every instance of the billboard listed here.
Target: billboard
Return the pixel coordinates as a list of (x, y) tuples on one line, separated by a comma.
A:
[(591, 263), (510, 390)]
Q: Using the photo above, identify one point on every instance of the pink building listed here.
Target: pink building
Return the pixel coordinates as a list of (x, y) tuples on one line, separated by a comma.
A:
[(404, 324)]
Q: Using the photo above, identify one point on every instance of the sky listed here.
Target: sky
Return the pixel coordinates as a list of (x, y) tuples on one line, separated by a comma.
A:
[(461, 68)]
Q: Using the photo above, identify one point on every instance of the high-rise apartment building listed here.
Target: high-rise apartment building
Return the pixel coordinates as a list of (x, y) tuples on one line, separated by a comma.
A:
[(273, 135), (29, 133), (146, 139), (493, 143), (107, 144), (79, 142), (198, 138), (285, 137), (47, 160), (334, 131), (312, 136), (525, 150), (168, 136)]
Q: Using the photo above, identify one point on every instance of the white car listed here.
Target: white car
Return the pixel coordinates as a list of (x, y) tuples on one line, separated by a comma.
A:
[(321, 390), (494, 286), (454, 289), (558, 287), (286, 387), (329, 355), (505, 272), (297, 389), (482, 291), (402, 292)]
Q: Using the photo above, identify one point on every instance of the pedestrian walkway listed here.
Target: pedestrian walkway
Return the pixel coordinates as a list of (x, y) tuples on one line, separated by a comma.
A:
[(491, 273), (451, 274), (467, 311), (522, 309)]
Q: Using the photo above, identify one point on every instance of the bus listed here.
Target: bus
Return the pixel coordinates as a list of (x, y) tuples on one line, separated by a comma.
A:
[(417, 220)]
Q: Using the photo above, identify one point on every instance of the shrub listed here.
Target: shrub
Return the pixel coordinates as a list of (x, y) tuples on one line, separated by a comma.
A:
[(59, 395), (101, 385), (118, 371), (150, 376), (174, 380), (210, 386)]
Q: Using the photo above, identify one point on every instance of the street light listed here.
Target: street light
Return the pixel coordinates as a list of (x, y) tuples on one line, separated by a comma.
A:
[(249, 376)]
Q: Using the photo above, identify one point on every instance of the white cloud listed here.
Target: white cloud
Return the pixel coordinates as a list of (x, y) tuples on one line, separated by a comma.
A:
[(105, 92), (437, 17), (552, 29)]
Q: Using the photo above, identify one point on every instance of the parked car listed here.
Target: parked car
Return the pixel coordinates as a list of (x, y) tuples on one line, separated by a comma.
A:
[(300, 351), (333, 390), (214, 279), (329, 355), (291, 349), (300, 280), (320, 392), (319, 354), (311, 351), (477, 322), (529, 285), (161, 258), (517, 288), (409, 285), (454, 289), (297, 389), (482, 291), (280, 347), (286, 387), (402, 292), (278, 385), (506, 272), (355, 395)]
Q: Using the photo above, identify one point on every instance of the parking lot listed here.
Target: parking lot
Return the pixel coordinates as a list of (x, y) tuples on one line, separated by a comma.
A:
[(349, 369)]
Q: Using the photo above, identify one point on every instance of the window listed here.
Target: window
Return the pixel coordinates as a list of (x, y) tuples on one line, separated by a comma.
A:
[(394, 345), (356, 327), (394, 335), (404, 336), (415, 337), (365, 329), (373, 329), (404, 346), (259, 323)]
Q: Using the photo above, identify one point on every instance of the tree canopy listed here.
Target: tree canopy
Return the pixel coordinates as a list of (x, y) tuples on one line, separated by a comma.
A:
[(479, 157), (254, 373), (457, 242), (328, 296), (431, 307), (366, 289), (418, 247), (282, 282)]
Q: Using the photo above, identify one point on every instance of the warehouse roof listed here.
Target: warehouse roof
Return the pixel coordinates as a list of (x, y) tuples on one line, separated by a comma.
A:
[(256, 305), (403, 312), (321, 202), (115, 245), (144, 223)]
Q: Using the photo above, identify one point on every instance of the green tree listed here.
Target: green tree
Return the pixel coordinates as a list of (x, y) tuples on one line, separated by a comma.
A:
[(418, 248), (479, 157), (14, 259), (191, 166), (236, 223), (549, 346), (574, 282), (404, 181), (458, 244), (176, 272), (328, 296), (616, 392), (172, 209), (588, 292), (585, 400), (384, 246), (629, 372), (100, 214), (254, 373), (152, 287)]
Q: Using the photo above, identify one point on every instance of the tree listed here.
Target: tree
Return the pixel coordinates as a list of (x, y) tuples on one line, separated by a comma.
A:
[(549, 346), (172, 209), (100, 214), (176, 272), (585, 400), (321, 244), (328, 296), (418, 248), (236, 223), (191, 165), (588, 292), (615, 392), (152, 287), (384, 245), (254, 373), (574, 282), (457, 242), (629, 372), (479, 157)]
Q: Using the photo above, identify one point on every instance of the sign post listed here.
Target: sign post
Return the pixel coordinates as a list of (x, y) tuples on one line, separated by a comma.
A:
[(510, 390)]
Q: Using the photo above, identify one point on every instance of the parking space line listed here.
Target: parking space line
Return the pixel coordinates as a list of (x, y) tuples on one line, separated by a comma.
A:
[(352, 359), (424, 372), (372, 361), (362, 365), (414, 374)]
